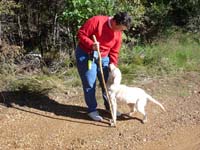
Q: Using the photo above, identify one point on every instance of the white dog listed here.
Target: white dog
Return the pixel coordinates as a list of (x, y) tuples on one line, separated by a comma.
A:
[(136, 98)]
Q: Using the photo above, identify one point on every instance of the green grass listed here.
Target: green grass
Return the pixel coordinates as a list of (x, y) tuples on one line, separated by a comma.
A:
[(42, 83), (177, 53)]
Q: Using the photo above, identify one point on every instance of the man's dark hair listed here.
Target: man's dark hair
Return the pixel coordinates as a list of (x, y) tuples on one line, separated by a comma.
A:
[(122, 18)]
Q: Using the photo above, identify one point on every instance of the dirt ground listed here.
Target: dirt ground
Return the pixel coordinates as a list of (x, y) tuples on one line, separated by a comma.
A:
[(60, 122)]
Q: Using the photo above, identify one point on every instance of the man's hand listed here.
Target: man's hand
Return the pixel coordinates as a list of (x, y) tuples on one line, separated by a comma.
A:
[(95, 46)]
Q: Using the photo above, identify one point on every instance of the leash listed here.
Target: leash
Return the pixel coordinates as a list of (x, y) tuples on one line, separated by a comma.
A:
[(112, 123)]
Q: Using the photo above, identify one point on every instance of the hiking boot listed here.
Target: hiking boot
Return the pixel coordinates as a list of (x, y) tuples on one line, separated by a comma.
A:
[(95, 116)]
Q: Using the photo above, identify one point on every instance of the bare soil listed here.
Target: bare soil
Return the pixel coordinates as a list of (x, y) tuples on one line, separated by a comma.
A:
[(30, 121)]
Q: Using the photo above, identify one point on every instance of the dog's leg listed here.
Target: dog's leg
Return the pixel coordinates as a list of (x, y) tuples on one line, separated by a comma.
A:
[(114, 105), (140, 105), (142, 111), (132, 108), (145, 118)]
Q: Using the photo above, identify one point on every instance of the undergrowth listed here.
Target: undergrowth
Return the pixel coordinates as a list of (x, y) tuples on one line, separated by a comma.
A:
[(171, 54), (174, 53)]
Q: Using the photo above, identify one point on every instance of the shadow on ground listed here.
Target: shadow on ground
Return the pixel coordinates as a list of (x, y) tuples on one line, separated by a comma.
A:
[(42, 102)]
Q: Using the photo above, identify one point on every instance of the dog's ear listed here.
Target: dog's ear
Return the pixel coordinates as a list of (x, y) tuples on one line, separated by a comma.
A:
[(117, 76), (110, 79)]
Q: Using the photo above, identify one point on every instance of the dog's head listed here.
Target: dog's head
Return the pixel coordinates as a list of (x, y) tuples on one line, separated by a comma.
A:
[(115, 75)]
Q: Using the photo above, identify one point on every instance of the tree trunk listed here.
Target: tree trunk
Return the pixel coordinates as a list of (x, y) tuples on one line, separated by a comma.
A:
[(20, 32), (0, 35), (55, 29)]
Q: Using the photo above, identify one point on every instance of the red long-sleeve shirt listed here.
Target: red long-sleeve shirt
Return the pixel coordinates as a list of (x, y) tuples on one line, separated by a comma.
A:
[(110, 40)]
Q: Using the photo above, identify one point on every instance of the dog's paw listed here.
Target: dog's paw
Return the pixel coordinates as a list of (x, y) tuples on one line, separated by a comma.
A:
[(144, 121), (130, 114)]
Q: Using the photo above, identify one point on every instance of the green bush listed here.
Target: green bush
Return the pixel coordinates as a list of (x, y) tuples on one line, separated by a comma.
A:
[(178, 51)]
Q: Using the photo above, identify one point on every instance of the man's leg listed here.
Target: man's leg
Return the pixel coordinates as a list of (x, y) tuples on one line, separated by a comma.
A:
[(105, 64), (88, 78)]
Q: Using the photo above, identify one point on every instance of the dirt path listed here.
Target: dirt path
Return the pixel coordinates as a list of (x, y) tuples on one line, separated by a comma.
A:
[(60, 121)]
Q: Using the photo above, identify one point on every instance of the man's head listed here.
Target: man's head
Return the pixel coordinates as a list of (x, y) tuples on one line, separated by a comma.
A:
[(121, 21)]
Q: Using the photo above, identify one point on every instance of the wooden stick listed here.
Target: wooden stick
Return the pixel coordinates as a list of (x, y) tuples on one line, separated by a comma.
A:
[(104, 83)]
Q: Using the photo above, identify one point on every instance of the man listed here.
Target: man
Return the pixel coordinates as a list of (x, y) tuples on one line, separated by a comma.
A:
[(108, 32)]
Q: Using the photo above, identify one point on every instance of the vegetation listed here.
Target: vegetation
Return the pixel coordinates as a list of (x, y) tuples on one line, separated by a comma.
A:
[(39, 37), (179, 52)]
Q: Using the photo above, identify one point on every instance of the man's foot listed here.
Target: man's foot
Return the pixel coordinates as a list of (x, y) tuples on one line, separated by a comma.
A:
[(95, 116)]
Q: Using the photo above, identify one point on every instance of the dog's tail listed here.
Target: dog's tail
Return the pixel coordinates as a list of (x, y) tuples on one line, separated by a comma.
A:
[(155, 101)]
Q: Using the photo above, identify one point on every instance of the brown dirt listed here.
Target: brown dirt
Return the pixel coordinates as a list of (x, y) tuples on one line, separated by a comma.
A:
[(60, 121)]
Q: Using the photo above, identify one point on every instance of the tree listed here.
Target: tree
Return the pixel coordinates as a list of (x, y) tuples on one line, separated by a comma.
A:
[(76, 12), (6, 8)]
